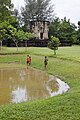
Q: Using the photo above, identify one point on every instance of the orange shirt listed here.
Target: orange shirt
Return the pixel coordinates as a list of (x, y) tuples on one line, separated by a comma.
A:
[(28, 59)]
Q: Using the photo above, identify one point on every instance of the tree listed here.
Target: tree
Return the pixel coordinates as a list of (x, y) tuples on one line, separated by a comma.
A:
[(79, 24), (24, 36), (67, 30), (17, 19), (19, 35), (54, 27), (2, 36), (12, 34), (54, 44), (37, 10), (3, 32), (6, 26), (63, 29), (5, 9), (78, 33), (5, 12)]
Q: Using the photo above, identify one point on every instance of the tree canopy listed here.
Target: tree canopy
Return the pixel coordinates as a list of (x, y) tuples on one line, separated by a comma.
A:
[(5, 9), (37, 9), (18, 35), (63, 29), (54, 44)]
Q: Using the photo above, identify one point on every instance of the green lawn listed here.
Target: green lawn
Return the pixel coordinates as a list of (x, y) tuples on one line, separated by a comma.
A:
[(66, 66), (72, 53)]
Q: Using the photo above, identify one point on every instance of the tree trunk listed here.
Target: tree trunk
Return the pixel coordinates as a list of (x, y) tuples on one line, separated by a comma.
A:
[(26, 45), (0, 44), (16, 45), (54, 52)]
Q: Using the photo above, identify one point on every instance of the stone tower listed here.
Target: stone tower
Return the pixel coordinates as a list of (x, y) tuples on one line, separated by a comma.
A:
[(39, 29)]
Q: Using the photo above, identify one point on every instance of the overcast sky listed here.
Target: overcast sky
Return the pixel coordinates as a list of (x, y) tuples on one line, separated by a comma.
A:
[(62, 8)]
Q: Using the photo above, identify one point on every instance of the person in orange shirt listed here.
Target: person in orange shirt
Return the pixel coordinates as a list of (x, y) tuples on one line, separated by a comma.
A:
[(27, 60)]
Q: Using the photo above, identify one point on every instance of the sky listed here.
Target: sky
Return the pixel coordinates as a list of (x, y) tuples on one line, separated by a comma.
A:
[(62, 8)]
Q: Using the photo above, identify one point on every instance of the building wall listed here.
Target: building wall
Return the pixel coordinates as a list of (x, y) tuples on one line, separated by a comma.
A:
[(40, 29)]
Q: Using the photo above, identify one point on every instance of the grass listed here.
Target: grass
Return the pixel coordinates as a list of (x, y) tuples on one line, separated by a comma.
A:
[(66, 66), (72, 53)]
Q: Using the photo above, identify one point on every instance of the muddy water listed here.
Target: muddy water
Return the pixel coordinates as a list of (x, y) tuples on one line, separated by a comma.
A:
[(22, 84)]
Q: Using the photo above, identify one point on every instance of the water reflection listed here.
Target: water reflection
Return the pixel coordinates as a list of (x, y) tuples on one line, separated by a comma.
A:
[(58, 87), (19, 95), (19, 85)]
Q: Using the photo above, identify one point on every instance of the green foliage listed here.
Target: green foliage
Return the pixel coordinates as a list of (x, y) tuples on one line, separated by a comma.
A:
[(54, 28), (16, 19), (3, 31), (12, 32), (7, 20), (5, 9), (19, 35), (63, 29), (54, 44), (43, 11), (78, 33)]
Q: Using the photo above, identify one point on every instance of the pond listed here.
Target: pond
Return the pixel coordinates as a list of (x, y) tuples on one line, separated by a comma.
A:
[(22, 84)]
